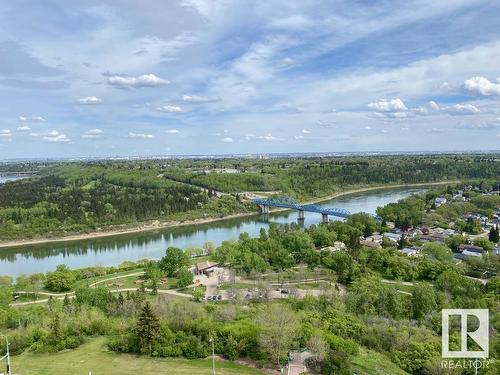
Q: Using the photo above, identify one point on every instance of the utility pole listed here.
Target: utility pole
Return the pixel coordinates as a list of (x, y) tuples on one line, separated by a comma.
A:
[(213, 355), (7, 356)]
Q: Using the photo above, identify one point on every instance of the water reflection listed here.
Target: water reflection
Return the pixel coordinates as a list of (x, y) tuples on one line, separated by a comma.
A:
[(109, 251)]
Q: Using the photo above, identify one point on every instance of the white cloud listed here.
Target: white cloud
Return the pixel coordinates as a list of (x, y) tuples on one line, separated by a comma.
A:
[(462, 109), (90, 100), (481, 86), (92, 134), (31, 119), (55, 136), (196, 99), (227, 140), (169, 109), (145, 80), (293, 22), (34, 134), (388, 105), (305, 131), (23, 128), (6, 133), (298, 137), (368, 127), (139, 135), (172, 131), (268, 137)]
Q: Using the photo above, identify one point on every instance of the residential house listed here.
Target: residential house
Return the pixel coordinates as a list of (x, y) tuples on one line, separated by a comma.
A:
[(471, 250), (411, 251), (395, 237), (439, 201), (205, 268)]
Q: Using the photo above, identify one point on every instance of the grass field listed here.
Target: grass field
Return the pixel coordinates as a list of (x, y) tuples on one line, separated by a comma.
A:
[(93, 357), (369, 362)]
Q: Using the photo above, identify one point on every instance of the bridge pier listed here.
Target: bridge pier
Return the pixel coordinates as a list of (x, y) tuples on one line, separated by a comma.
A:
[(324, 218), (264, 209), (301, 215)]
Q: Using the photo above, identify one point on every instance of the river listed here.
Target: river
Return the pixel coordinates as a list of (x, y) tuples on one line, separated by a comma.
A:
[(111, 251)]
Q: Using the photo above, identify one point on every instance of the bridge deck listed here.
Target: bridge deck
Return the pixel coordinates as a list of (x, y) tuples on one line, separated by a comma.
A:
[(286, 202)]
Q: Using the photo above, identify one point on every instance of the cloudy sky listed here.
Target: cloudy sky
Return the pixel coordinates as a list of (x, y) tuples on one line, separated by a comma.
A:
[(106, 78)]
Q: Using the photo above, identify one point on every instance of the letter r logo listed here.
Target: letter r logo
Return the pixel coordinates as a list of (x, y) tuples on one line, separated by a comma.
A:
[(480, 335)]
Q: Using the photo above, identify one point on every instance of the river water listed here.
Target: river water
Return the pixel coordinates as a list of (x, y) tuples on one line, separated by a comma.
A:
[(111, 251)]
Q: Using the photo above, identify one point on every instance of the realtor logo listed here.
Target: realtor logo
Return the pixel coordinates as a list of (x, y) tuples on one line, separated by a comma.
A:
[(479, 336)]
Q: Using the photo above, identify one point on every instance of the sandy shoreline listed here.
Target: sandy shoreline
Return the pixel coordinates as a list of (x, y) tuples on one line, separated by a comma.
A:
[(155, 224)]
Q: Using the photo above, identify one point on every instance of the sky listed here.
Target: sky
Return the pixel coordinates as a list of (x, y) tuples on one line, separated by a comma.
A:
[(165, 77)]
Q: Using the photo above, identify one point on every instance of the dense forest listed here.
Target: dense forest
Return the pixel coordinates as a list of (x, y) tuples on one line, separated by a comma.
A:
[(317, 177), (74, 197)]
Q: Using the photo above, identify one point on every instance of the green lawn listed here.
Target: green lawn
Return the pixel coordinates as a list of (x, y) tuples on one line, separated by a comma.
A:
[(369, 362), (93, 357)]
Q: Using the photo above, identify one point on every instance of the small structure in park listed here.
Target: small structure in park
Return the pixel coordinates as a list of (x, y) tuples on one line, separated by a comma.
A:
[(205, 268)]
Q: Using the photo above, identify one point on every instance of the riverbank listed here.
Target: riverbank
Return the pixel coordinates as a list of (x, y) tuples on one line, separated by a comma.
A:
[(157, 225)]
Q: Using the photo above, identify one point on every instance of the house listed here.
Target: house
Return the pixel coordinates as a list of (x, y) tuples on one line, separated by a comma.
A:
[(375, 238), (395, 237), (337, 245), (370, 244), (205, 268), (434, 237), (411, 251), (439, 201), (471, 250)]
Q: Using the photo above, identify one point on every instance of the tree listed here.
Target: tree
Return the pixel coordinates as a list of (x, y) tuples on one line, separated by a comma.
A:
[(184, 278), (423, 300), (148, 328), (440, 252), (153, 272), (60, 280), (174, 259), (484, 243), (494, 235), (66, 304), (278, 327)]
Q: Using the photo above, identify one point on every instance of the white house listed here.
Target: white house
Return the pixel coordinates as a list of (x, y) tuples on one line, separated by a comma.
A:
[(439, 201)]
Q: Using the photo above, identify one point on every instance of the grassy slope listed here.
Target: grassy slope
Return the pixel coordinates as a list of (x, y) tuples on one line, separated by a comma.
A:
[(369, 362), (93, 357)]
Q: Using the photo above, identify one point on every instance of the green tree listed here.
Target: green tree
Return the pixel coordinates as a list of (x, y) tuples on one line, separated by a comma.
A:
[(184, 277), (439, 251), (278, 327), (174, 260), (148, 328), (60, 280), (494, 234), (423, 300)]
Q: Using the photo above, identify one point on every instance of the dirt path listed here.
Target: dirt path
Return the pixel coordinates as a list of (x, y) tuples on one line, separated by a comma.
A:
[(155, 224), (71, 295)]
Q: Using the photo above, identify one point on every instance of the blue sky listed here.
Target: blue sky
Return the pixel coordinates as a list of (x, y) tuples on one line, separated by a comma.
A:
[(106, 78)]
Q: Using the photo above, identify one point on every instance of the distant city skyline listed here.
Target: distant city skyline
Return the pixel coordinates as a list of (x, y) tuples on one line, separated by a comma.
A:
[(129, 78)]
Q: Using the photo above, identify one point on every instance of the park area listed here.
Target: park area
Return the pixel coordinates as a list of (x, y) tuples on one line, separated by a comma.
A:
[(94, 358)]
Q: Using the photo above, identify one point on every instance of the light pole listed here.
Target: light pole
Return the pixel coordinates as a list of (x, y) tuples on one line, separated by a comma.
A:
[(213, 354), (7, 355)]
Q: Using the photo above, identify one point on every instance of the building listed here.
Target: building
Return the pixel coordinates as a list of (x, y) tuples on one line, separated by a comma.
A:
[(434, 237), (439, 201), (205, 268), (370, 244), (375, 238), (411, 251), (394, 237), (471, 251)]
